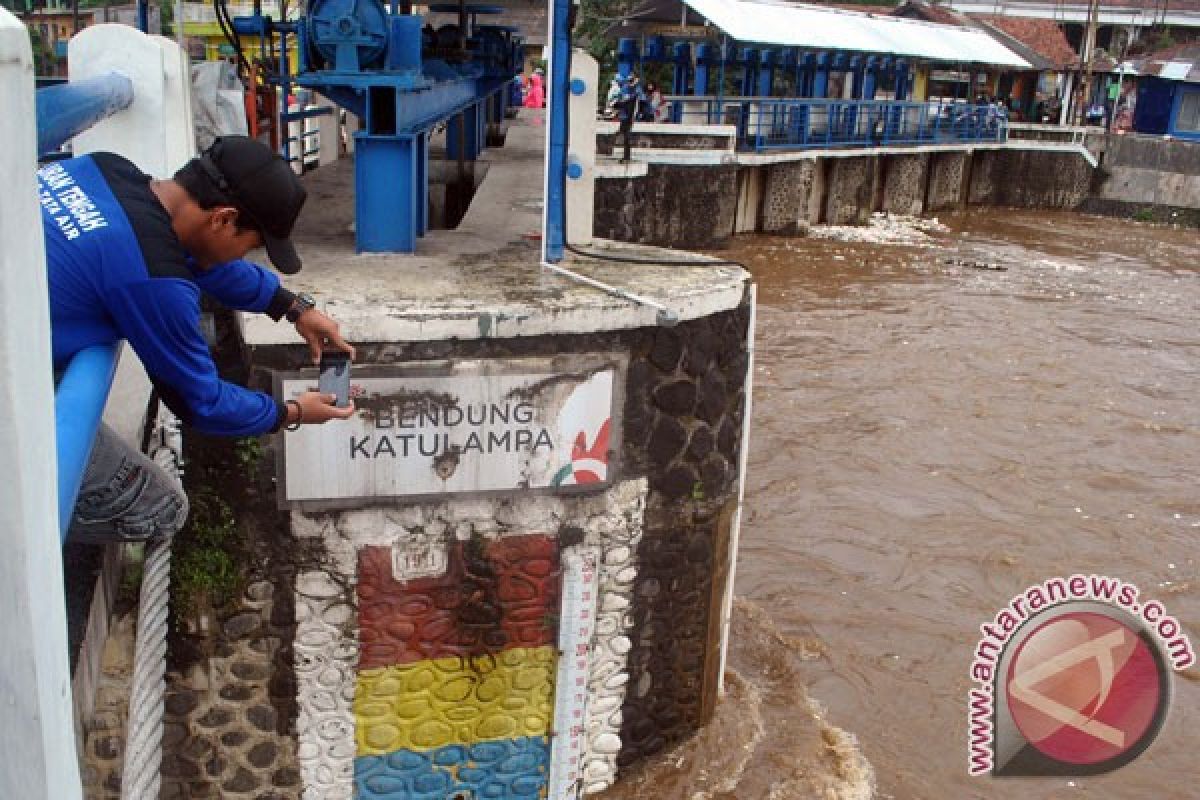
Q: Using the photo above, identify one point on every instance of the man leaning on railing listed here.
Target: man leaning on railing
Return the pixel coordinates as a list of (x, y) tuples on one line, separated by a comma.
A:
[(128, 258)]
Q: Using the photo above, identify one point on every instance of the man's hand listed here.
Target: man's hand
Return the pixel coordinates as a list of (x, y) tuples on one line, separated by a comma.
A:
[(315, 328), (316, 407)]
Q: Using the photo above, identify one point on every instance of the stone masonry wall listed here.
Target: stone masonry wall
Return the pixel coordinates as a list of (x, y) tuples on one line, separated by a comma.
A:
[(1029, 179), (785, 201), (850, 190), (946, 171), (904, 187), (663, 533), (613, 143), (673, 206)]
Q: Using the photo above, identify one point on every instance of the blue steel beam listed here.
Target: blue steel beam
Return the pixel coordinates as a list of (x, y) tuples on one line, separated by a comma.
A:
[(78, 406), (555, 233), (71, 108)]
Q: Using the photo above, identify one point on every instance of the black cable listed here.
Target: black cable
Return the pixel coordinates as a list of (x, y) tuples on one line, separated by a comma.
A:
[(602, 256), (225, 22)]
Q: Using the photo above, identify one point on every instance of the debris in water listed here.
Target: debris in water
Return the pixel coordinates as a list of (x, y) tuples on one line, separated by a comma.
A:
[(883, 229)]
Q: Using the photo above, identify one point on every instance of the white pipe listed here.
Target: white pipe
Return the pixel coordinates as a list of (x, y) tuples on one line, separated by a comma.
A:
[(666, 316), (736, 527)]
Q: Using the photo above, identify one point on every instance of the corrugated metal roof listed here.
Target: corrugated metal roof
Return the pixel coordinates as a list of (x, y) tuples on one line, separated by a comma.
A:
[(823, 28)]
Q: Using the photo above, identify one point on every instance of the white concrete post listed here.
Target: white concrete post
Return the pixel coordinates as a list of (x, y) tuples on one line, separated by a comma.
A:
[(137, 132), (581, 149), (349, 129), (328, 127), (37, 737)]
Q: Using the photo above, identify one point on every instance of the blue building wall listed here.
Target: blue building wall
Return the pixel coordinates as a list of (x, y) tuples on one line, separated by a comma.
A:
[(1167, 107)]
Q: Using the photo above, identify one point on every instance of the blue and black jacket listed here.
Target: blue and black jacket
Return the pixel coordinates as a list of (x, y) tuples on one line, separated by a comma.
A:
[(117, 271)]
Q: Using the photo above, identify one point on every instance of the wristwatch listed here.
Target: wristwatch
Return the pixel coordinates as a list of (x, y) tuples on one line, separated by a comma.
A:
[(302, 303)]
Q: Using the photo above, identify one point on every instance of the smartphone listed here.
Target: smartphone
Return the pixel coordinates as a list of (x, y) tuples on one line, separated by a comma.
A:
[(335, 376)]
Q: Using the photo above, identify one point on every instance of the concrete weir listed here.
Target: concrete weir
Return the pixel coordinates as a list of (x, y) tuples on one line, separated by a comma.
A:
[(740, 192), (513, 565)]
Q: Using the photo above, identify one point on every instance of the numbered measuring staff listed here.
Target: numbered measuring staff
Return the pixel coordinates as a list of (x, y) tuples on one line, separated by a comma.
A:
[(577, 622)]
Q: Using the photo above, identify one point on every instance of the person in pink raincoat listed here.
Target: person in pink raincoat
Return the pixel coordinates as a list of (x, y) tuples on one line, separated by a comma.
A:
[(535, 97)]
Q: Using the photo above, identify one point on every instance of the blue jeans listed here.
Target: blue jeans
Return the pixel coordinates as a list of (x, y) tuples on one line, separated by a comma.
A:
[(125, 497)]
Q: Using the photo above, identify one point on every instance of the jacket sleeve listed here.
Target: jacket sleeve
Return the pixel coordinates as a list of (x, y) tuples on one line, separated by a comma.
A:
[(246, 286), (160, 318)]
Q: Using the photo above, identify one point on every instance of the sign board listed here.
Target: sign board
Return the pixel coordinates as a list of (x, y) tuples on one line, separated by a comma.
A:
[(467, 426)]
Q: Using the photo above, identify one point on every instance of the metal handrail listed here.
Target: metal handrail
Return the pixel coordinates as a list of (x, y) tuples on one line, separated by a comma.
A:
[(67, 109), (79, 401), (772, 123)]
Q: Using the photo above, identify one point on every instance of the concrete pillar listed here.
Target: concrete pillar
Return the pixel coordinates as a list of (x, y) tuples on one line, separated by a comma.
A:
[(851, 190), (581, 147), (786, 196), (947, 176), (904, 183), (351, 127), (328, 132), (138, 132), (37, 737)]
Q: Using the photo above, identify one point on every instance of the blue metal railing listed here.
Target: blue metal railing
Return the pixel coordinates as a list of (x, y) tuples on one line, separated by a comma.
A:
[(64, 110), (79, 400), (770, 123)]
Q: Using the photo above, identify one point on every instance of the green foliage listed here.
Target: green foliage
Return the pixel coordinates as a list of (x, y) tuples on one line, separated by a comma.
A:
[(595, 16), (204, 566), (1144, 215), (248, 453), (43, 55)]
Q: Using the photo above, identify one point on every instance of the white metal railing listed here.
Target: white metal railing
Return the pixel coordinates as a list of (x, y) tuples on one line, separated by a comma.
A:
[(205, 14), (1071, 134)]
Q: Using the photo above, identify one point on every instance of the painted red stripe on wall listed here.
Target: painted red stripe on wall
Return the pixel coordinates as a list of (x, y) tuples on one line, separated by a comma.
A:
[(495, 595)]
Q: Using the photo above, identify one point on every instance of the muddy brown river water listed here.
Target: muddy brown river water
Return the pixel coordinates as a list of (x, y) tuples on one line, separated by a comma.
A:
[(929, 439)]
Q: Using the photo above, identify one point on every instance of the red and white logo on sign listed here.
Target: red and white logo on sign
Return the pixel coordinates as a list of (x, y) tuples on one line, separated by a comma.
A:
[(1084, 688)]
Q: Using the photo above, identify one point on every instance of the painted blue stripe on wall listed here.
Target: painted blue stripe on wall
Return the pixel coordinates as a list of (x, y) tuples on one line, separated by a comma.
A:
[(505, 769)]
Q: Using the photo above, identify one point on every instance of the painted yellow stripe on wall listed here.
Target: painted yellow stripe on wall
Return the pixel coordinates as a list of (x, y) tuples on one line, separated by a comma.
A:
[(431, 704)]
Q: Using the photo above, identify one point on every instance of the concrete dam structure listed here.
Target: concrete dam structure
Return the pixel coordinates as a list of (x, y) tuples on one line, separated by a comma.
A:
[(656, 199)]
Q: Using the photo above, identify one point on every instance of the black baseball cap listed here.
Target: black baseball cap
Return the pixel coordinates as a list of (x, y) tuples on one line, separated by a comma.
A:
[(264, 190)]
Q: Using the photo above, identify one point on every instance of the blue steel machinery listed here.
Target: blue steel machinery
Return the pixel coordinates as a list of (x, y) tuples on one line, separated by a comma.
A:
[(402, 79)]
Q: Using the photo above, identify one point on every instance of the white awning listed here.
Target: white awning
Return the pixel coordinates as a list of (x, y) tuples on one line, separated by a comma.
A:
[(822, 28)]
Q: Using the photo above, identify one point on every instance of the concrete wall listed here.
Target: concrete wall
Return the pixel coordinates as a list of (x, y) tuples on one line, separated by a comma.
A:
[(1028, 179), (1148, 174), (682, 206), (376, 658), (702, 206)]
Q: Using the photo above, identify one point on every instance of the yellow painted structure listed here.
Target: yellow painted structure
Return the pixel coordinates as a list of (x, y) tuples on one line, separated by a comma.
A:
[(431, 704), (920, 90)]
